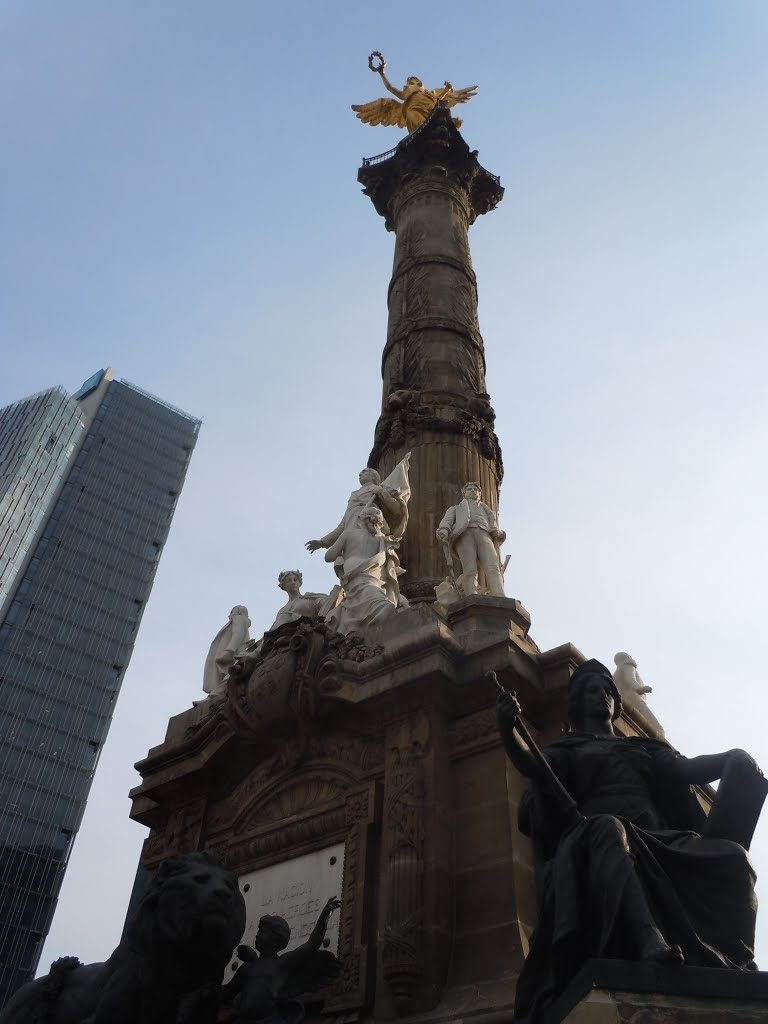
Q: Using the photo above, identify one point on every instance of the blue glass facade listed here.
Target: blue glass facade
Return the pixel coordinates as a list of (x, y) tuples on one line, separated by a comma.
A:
[(37, 439), (67, 635)]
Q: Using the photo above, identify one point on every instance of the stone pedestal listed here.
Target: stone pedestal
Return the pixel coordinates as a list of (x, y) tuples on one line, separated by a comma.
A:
[(392, 755), (615, 992)]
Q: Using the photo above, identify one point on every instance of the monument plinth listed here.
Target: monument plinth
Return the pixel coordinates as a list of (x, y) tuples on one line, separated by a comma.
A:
[(429, 190)]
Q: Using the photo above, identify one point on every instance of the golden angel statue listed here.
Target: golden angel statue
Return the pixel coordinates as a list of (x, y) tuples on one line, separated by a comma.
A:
[(417, 103)]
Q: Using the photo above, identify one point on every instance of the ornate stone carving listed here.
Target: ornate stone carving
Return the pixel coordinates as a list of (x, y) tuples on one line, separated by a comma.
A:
[(356, 956), (180, 834), (404, 830), (277, 685), (467, 731), (437, 144), (406, 427), (347, 748)]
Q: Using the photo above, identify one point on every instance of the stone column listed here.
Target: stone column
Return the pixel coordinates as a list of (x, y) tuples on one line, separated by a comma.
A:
[(429, 190)]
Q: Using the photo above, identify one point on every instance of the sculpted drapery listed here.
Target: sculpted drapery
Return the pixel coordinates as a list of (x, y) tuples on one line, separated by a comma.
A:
[(632, 874)]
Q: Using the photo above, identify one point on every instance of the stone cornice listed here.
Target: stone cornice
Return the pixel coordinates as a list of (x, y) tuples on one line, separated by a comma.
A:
[(437, 145)]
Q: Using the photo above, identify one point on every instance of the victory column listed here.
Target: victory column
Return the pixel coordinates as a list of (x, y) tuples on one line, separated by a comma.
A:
[(352, 751)]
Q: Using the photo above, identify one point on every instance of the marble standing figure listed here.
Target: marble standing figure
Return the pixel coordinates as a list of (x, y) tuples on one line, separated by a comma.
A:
[(471, 531), (631, 872), (627, 678), (391, 497), (265, 988), (369, 574), (221, 655)]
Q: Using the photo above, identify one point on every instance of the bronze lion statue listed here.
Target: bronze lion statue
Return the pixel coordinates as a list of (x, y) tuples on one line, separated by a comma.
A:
[(168, 967)]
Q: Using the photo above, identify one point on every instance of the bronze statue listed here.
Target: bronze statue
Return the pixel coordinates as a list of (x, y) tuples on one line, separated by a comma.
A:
[(266, 987), (416, 102), (629, 867), (169, 965)]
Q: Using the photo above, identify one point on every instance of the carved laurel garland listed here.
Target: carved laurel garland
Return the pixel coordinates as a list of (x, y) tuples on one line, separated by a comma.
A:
[(393, 430)]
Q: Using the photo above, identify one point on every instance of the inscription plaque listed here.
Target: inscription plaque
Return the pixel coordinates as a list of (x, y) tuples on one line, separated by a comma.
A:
[(297, 890)]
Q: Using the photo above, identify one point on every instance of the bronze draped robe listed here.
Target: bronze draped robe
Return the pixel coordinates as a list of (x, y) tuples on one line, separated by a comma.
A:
[(700, 890)]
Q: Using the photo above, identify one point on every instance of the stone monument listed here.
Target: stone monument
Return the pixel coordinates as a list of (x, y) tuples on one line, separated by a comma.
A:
[(372, 760), (630, 866)]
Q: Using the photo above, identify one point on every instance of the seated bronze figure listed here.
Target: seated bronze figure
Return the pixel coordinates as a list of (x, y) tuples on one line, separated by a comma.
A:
[(627, 867)]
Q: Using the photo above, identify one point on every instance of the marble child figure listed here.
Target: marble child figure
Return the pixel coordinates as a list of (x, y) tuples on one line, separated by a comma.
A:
[(634, 871), (265, 988), (473, 535)]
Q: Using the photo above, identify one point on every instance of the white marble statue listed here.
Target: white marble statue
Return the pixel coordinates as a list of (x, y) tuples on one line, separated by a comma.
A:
[(299, 604), (230, 638), (369, 570), (472, 534), (627, 678), (391, 497)]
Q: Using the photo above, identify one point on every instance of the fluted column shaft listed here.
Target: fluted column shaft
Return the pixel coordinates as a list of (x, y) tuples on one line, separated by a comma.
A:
[(434, 403)]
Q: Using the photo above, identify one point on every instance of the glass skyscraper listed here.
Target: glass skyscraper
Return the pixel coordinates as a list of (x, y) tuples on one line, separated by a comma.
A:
[(88, 488)]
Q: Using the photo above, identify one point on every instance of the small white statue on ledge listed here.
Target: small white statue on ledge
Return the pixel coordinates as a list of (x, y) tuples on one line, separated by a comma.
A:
[(470, 531), (299, 604), (369, 572), (627, 678), (221, 655)]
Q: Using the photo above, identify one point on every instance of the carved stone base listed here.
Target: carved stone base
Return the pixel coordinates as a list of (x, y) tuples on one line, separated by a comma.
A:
[(477, 619), (619, 992), (393, 753)]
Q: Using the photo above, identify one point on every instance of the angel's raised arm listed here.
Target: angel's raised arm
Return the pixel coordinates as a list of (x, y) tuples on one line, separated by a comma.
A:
[(393, 89), (318, 932)]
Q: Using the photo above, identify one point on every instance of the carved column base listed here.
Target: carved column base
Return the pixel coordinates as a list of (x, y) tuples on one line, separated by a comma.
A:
[(402, 985)]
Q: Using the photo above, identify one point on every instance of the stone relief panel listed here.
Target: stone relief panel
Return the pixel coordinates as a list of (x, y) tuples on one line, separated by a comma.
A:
[(403, 829), (180, 834)]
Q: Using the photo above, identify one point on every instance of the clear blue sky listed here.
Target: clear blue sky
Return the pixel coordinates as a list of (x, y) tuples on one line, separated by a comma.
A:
[(179, 201)]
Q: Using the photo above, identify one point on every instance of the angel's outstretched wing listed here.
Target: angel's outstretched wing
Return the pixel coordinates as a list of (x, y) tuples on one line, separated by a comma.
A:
[(307, 970), (459, 95), (381, 111)]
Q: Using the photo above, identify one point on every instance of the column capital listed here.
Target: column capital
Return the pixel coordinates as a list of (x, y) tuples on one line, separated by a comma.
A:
[(436, 149)]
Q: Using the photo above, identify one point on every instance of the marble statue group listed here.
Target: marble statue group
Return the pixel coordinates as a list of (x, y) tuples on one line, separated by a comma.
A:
[(363, 550)]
